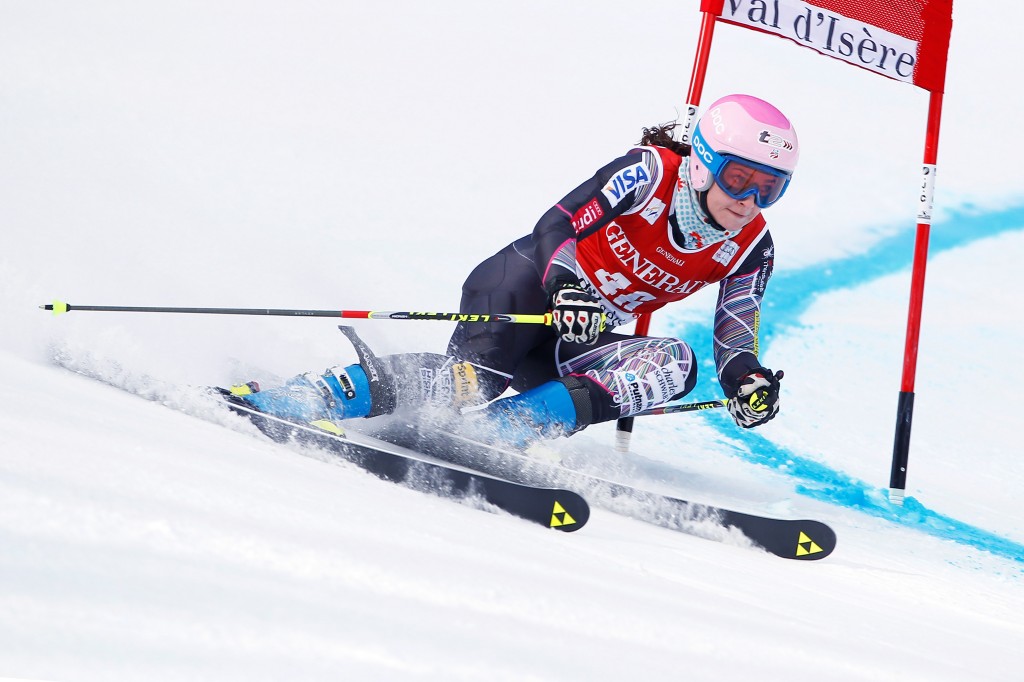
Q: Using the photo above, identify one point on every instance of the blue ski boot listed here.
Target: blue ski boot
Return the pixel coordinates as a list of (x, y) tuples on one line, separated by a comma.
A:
[(366, 389), (339, 393), (556, 408)]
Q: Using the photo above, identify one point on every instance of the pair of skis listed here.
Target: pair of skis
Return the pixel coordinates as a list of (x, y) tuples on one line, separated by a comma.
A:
[(451, 466), (559, 508)]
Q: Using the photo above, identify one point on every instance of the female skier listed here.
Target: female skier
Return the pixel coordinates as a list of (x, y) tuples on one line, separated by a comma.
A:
[(652, 227)]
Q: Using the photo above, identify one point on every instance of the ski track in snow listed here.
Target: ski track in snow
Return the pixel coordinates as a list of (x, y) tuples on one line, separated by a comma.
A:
[(790, 294)]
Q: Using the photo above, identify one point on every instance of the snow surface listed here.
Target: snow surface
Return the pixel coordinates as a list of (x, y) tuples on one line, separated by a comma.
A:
[(332, 155)]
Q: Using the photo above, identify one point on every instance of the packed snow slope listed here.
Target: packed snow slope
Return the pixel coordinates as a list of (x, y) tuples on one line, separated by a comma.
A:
[(331, 155)]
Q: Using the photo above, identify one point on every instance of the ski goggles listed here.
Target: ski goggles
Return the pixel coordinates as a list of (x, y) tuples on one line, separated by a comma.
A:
[(740, 178)]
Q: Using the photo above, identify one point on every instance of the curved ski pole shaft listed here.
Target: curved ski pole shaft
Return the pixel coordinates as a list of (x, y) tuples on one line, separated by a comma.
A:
[(59, 307)]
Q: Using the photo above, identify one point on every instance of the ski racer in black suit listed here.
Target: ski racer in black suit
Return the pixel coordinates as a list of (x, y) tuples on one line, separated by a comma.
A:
[(649, 228)]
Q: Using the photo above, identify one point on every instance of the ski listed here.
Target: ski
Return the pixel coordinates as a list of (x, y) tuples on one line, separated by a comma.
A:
[(798, 539), (556, 508)]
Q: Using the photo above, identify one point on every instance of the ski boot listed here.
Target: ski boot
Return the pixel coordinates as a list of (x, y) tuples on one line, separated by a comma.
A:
[(365, 389), (337, 394), (556, 408)]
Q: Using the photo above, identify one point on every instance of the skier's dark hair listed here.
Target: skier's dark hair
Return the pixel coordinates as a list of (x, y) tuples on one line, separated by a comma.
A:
[(661, 136)]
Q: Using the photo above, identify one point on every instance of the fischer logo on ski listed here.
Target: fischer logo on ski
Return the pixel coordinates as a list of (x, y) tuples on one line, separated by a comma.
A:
[(560, 517), (805, 545)]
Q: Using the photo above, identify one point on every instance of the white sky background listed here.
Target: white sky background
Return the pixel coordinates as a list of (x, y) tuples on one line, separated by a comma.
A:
[(336, 155)]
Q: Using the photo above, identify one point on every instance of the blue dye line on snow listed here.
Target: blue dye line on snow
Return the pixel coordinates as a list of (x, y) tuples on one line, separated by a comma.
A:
[(824, 483), (791, 293)]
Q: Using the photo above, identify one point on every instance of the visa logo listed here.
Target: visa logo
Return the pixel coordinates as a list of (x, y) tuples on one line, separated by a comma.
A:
[(624, 182)]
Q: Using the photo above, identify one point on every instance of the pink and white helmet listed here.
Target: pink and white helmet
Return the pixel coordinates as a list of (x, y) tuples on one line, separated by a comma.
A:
[(742, 128)]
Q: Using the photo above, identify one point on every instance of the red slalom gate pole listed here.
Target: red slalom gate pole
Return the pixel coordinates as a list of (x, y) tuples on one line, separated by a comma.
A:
[(905, 405)]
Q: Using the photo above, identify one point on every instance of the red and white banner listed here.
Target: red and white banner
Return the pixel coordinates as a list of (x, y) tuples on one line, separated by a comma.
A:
[(906, 40)]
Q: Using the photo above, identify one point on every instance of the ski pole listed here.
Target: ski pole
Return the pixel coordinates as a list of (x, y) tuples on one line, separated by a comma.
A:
[(683, 407), (59, 307)]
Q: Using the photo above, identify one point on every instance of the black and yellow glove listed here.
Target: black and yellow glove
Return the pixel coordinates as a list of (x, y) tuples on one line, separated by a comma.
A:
[(757, 398)]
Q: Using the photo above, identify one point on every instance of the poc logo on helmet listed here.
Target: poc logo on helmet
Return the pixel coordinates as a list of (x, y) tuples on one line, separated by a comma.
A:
[(716, 120), (702, 150)]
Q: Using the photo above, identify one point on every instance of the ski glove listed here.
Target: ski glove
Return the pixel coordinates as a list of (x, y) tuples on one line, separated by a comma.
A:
[(576, 315), (757, 398)]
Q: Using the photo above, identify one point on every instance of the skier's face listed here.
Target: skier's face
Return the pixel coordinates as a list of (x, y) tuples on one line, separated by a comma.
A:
[(728, 212)]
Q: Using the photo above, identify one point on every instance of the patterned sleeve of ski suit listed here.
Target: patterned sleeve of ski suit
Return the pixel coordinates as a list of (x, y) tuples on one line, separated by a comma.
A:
[(738, 315), (586, 210)]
